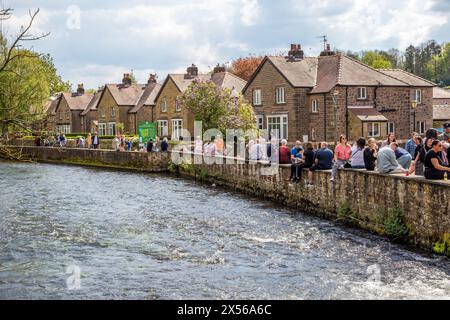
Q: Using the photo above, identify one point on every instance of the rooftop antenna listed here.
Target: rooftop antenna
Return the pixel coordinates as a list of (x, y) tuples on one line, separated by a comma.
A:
[(325, 41)]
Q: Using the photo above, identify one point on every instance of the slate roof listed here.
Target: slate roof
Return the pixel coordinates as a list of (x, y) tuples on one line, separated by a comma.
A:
[(148, 97), (408, 78), (367, 114), (126, 95), (92, 106), (77, 101), (439, 93), (441, 112)]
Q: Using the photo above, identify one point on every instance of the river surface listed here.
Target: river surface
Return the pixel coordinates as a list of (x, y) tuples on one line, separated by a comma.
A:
[(78, 233)]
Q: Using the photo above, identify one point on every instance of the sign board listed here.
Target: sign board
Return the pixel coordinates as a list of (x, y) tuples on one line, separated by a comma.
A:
[(147, 131)]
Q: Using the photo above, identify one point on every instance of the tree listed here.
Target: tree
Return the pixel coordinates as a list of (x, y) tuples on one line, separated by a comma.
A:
[(245, 67), (376, 60), (218, 108), (27, 78)]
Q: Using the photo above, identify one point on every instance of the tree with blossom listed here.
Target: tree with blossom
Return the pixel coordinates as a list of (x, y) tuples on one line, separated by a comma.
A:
[(218, 108)]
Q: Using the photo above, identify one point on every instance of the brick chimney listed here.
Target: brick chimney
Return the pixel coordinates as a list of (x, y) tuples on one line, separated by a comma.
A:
[(219, 68), (327, 51), (126, 80), (152, 78), (80, 89), (191, 72), (296, 53)]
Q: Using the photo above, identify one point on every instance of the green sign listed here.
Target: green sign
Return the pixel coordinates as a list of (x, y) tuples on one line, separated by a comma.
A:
[(147, 131)]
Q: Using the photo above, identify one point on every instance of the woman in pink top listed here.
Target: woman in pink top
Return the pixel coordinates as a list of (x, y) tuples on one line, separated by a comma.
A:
[(342, 154)]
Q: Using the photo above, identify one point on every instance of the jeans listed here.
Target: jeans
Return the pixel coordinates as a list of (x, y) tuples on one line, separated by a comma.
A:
[(337, 165), (405, 161)]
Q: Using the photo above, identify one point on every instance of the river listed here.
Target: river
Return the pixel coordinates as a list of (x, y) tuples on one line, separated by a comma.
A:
[(79, 233)]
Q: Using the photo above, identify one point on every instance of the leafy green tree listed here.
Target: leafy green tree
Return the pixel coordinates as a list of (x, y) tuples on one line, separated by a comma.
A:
[(376, 60), (218, 108)]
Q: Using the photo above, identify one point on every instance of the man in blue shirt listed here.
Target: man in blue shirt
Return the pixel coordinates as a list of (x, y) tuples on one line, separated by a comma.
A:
[(411, 145), (297, 161), (323, 161)]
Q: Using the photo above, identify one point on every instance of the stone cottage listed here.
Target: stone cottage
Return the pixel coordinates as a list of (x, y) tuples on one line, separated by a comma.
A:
[(68, 110), (441, 106), (319, 98), (171, 117), (125, 104)]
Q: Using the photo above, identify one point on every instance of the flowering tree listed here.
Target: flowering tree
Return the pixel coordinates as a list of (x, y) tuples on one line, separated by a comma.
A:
[(245, 67), (218, 108)]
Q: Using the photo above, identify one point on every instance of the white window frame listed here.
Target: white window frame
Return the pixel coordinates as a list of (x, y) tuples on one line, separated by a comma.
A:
[(257, 97), (283, 123), (315, 106), (102, 129), (64, 128), (360, 95), (418, 96), (113, 112), (260, 121), (112, 132), (177, 128), (421, 127), (280, 95), (177, 105), (371, 129), (163, 128), (389, 126), (163, 105)]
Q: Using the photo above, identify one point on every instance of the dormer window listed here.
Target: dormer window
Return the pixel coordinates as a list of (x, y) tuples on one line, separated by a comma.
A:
[(362, 93), (280, 95)]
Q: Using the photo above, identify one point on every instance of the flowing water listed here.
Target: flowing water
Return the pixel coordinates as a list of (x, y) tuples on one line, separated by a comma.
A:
[(138, 236)]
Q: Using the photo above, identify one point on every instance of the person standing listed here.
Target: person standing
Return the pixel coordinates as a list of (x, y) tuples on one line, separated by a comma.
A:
[(95, 141), (446, 135), (150, 145), (198, 145), (164, 145), (389, 139), (285, 153), (89, 140), (411, 144), (116, 143)]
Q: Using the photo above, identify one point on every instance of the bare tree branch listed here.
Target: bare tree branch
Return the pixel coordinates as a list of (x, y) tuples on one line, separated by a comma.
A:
[(24, 35)]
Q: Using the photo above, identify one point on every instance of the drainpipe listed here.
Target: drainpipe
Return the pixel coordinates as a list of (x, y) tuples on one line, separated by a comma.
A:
[(325, 117), (346, 112)]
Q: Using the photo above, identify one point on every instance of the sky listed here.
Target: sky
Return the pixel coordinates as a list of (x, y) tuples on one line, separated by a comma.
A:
[(95, 42)]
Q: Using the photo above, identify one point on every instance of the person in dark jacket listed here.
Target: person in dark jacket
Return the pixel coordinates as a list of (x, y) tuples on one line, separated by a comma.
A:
[(370, 155), (150, 145), (164, 145)]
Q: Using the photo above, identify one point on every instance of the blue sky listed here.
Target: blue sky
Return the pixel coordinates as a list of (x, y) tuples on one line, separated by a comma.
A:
[(95, 42)]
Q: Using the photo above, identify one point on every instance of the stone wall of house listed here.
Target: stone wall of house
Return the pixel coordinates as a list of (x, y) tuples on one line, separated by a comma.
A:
[(364, 199), (170, 93)]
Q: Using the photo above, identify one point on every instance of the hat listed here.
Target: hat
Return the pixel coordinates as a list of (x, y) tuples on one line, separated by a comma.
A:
[(447, 125)]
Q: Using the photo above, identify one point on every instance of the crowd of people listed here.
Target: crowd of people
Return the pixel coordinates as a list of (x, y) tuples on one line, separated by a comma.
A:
[(427, 156)]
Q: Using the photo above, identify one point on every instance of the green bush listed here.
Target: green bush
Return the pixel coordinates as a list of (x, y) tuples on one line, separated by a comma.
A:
[(395, 225)]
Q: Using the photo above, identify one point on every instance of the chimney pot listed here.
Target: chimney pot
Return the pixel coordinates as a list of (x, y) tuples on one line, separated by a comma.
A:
[(191, 72), (219, 68), (152, 78), (80, 89), (126, 81), (296, 53)]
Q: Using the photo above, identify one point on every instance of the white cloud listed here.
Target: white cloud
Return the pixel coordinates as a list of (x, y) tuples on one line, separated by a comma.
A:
[(250, 12)]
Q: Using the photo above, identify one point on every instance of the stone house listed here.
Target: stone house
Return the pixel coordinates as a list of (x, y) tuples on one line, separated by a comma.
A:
[(68, 110), (88, 118), (125, 104), (171, 117), (441, 107), (319, 98), (50, 113)]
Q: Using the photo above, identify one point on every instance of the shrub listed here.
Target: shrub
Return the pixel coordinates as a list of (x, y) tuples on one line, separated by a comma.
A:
[(395, 225)]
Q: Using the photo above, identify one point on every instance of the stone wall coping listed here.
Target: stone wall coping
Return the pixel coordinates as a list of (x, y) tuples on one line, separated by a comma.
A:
[(263, 163)]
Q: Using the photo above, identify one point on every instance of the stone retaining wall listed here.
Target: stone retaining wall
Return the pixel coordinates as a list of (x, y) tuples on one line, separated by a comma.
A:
[(364, 199)]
